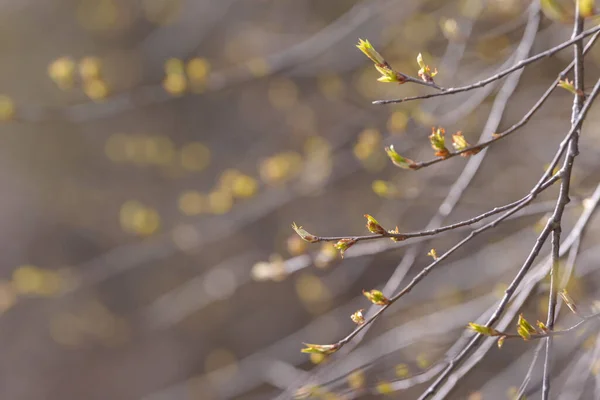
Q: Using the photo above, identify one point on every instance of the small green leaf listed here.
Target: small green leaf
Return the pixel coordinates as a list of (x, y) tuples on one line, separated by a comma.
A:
[(344, 244), (320, 348), (358, 318), (304, 234), (376, 297), (438, 142), (482, 329), (501, 341), (398, 160), (373, 226), (522, 322), (366, 47)]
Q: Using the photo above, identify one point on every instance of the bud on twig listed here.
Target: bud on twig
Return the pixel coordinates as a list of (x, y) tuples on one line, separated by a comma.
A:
[(568, 85), (501, 341), (366, 47), (398, 237), (425, 72), (433, 254), (398, 160), (373, 226), (524, 328), (482, 329), (460, 144), (358, 318), (388, 75), (438, 142), (320, 348), (376, 297), (310, 238), (344, 244)]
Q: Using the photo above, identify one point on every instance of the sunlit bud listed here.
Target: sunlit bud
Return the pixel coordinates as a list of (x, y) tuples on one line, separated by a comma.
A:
[(524, 333), (433, 254), (425, 72), (397, 236), (358, 318), (459, 142), (501, 341), (398, 160), (373, 226), (438, 142), (542, 327), (568, 85), (304, 234), (482, 329), (366, 47), (376, 297), (388, 75), (320, 348), (344, 244), (524, 328)]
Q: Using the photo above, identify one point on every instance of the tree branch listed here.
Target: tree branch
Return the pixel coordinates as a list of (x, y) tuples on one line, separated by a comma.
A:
[(499, 75)]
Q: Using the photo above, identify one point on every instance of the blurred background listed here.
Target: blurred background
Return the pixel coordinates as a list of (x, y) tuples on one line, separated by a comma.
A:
[(154, 153)]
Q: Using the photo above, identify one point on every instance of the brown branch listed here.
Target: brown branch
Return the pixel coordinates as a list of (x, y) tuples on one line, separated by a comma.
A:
[(526, 265), (499, 75), (563, 197), (436, 231), (499, 136)]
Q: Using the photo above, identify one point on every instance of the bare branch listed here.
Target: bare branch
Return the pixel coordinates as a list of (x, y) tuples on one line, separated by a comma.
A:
[(500, 75)]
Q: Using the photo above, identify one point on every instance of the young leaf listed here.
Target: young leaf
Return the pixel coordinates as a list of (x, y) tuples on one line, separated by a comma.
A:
[(524, 333), (525, 324), (460, 144), (366, 47), (501, 341), (388, 75), (433, 254), (358, 318), (398, 237), (373, 226), (425, 72), (376, 297), (398, 160), (310, 238), (320, 348), (344, 244), (438, 142), (567, 85), (484, 330)]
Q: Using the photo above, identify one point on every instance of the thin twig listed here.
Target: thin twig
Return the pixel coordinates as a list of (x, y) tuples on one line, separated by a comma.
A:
[(563, 198), (526, 265), (436, 231), (500, 75), (516, 126), (538, 273), (465, 178)]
